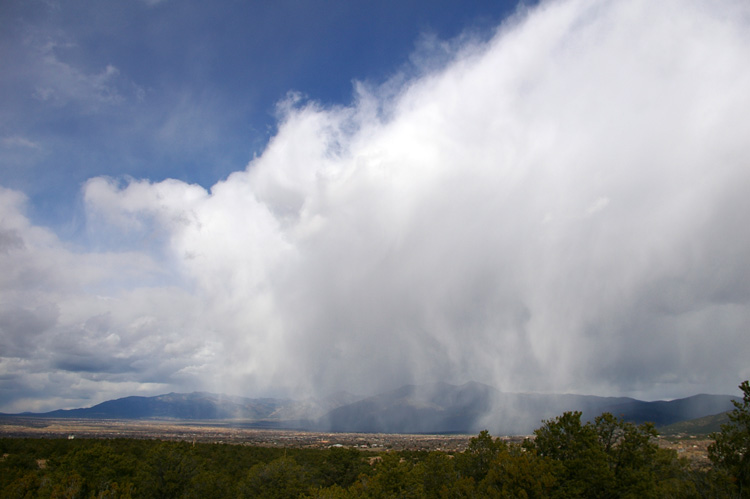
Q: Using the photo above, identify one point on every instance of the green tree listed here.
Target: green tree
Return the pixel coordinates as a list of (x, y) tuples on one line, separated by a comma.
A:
[(610, 458), (730, 451), (521, 473), (18, 475), (475, 461), (394, 477), (585, 470), (437, 471), (101, 466), (342, 466), (116, 491), (641, 468), (24, 486), (70, 487), (209, 484), (282, 478), (332, 492), (167, 471), (463, 488)]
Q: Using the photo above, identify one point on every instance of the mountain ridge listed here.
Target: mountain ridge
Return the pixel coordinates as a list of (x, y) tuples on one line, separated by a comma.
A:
[(430, 408)]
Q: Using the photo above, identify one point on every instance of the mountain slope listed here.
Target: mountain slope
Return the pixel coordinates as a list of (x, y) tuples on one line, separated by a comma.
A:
[(190, 406), (202, 406), (663, 413), (700, 426), (438, 407), (444, 408), (431, 408)]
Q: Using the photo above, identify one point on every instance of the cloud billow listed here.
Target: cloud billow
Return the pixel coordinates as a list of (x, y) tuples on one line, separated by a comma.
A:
[(560, 208)]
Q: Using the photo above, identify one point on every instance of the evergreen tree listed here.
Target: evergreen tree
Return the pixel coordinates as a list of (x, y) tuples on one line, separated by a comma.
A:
[(731, 450)]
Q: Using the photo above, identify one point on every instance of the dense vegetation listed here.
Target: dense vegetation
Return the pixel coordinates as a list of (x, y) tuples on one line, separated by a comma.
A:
[(730, 451), (567, 458)]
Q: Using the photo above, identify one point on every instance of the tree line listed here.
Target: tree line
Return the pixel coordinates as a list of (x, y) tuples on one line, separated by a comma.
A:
[(567, 458)]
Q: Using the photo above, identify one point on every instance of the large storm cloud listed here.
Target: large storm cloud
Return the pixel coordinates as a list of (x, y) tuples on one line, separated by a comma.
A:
[(561, 208)]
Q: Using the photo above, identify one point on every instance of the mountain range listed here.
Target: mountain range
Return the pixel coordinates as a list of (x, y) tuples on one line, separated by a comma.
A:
[(431, 408)]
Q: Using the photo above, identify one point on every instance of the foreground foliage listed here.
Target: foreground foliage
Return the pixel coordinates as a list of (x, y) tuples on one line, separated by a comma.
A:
[(730, 452), (566, 458)]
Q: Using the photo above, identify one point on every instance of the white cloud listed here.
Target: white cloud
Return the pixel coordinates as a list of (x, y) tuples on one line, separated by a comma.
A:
[(153, 3), (597, 206), (17, 141), (74, 315), (62, 83), (55, 76), (559, 209)]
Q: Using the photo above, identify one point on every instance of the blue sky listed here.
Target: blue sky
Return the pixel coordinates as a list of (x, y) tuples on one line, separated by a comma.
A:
[(296, 198), (188, 90)]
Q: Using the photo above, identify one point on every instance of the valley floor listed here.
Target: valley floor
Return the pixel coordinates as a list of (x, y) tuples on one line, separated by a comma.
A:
[(225, 433), (692, 447)]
